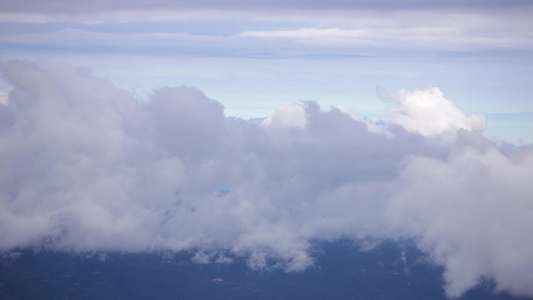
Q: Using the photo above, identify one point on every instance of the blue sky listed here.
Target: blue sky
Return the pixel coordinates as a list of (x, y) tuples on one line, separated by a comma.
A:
[(254, 55)]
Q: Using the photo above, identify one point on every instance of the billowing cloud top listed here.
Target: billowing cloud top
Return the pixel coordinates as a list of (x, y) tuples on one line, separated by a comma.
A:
[(84, 166), (429, 113)]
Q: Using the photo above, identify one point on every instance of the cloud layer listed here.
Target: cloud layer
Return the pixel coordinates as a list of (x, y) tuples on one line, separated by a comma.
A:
[(86, 166), (63, 6), (249, 28)]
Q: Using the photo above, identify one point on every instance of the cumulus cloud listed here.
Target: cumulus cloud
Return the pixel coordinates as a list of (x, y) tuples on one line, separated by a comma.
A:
[(471, 211), (86, 166), (429, 113), (287, 116)]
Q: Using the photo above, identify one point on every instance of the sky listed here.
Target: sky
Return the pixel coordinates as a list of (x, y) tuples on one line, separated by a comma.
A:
[(253, 128), (254, 55)]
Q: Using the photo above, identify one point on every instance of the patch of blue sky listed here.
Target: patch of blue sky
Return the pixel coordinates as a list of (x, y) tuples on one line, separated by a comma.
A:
[(515, 128), (223, 190)]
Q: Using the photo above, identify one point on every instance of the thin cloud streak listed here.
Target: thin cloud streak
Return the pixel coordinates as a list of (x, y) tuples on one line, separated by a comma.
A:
[(355, 30)]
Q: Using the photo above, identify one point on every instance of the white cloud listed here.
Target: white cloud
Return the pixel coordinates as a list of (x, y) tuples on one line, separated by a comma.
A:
[(429, 113), (3, 99), (471, 211), (305, 33), (287, 116), (85, 166), (327, 36)]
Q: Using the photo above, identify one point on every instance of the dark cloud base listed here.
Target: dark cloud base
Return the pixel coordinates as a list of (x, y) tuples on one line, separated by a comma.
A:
[(85, 166)]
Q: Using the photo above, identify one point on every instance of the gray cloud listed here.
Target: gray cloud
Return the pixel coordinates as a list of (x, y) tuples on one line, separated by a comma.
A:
[(85, 6), (350, 33), (267, 28), (85, 166)]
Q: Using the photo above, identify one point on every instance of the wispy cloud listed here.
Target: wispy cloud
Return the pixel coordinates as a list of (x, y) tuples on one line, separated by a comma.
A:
[(339, 32)]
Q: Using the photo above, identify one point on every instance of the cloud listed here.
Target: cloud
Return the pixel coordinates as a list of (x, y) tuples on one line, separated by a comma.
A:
[(64, 6), (328, 36), (258, 27), (429, 113), (81, 40), (471, 212), (3, 99), (287, 116), (85, 166), (434, 31)]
